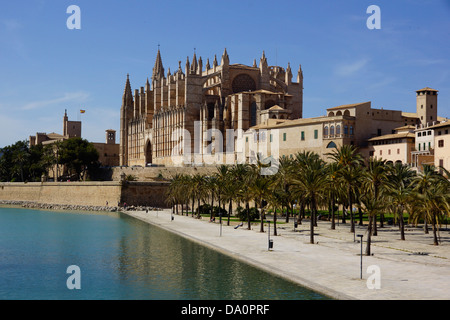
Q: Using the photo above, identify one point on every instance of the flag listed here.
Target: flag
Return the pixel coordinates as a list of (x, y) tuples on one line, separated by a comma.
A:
[(82, 111)]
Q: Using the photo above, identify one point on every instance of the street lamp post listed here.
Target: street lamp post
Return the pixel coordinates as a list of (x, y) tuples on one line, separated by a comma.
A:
[(270, 243), (361, 240)]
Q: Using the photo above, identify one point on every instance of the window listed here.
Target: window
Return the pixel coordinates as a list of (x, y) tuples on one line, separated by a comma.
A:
[(332, 130), (419, 134), (316, 134), (270, 137), (441, 143), (338, 129), (419, 146), (345, 129), (378, 132), (325, 131), (284, 136), (381, 152), (303, 136), (331, 145), (351, 130), (389, 152), (246, 139), (446, 131), (398, 151)]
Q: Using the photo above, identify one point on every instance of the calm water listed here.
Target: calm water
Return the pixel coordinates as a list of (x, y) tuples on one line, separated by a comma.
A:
[(121, 258)]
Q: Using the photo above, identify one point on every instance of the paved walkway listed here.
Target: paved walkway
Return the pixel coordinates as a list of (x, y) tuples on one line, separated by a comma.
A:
[(409, 270)]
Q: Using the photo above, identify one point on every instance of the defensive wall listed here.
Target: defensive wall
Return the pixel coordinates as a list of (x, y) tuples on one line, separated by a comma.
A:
[(87, 193)]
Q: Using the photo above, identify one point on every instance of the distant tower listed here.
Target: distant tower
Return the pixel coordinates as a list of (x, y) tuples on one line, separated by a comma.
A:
[(65, 120), (427, 105), (110, 136)]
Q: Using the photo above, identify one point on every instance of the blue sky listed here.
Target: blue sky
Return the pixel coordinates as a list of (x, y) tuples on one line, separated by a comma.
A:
[(47, 68)]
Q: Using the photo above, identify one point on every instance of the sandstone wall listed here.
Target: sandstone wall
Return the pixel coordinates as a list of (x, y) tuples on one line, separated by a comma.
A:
[(87, 193)]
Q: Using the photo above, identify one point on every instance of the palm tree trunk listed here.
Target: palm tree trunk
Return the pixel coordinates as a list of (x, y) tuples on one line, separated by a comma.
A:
[(333, 222), (212, 206), (230, 209), (247, 207), (369, 235), (425, 226), (311, 224), (352, 220), (402, 225), (435, 238), (262, 217), (275, 223)]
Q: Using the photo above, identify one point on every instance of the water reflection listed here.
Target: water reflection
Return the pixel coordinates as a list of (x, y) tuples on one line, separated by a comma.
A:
[(121, 258)]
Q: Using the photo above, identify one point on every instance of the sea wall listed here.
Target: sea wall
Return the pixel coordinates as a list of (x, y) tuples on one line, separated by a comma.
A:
[(86, 193)]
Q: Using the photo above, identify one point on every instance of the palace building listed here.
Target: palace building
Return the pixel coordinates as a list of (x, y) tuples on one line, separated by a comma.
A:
[(174, 113)]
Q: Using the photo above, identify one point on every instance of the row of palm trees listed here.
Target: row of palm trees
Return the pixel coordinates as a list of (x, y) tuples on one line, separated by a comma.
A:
[(305, 181)]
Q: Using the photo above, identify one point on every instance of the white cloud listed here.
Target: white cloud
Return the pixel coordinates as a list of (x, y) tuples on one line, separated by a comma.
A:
[(67, 97), (350, 69)]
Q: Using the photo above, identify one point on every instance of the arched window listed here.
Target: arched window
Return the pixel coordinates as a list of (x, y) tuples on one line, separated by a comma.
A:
[(345, 129), (339, 113), (351, 130), (338, 129), (325, 131), (346, 113), (331, 145), (332, 131)]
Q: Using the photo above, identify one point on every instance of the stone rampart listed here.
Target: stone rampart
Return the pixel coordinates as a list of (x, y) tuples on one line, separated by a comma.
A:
[(86, 193)]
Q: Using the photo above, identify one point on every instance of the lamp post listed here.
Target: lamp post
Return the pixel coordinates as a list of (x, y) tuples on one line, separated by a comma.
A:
[(270, 242), (361, 240)]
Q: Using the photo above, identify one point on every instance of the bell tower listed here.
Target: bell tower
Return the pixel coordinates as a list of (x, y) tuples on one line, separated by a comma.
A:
[(427, 105)]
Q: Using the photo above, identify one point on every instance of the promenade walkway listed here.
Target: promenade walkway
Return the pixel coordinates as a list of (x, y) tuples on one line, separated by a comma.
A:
[(414, 269)]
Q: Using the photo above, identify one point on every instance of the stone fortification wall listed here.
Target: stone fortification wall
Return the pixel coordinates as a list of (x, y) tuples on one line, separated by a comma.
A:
[(86, 193), (153, 173)]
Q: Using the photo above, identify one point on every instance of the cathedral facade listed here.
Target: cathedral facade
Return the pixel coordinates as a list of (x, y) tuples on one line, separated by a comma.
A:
[(185, 118)]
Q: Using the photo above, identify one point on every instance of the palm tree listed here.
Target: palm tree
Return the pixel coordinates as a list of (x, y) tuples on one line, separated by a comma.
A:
[(374, 177), (400, 192), (259, 190), (221, 179), (433, 197), (275, 201), (372, 206), (244, 177), (332, 189), (310, 179), (348, 160)]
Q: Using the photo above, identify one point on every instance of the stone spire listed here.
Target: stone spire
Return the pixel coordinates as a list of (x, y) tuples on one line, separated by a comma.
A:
[(187, 66), (194, 64), (158, 69), (263, 61), (225, 59), (127, 94), (300, 75), (288, 74), (208, 66)]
